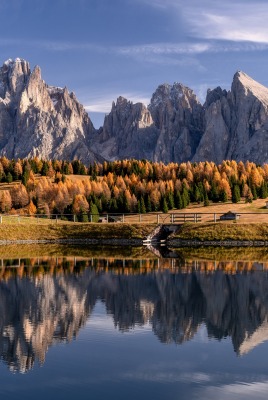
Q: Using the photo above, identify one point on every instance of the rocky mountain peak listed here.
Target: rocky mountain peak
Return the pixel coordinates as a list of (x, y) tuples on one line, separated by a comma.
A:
[(13, 76), (122, 107), (17, 66), (122, 101), (214, 95), (248, 86), (40, 120), (171, 94)]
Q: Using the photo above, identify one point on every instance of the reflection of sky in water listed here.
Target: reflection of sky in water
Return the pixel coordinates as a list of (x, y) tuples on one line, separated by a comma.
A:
[(125, 344)]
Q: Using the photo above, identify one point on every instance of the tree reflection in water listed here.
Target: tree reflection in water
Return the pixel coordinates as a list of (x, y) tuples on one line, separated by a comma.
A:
[(47, 300)]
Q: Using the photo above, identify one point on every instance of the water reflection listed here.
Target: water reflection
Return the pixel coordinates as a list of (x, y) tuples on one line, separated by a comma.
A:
[(47, 300)]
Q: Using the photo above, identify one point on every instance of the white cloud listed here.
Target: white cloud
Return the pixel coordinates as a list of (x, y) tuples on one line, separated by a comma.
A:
[(232, 21), (164, 48), (181, 53), (100, 107), (103, 103)]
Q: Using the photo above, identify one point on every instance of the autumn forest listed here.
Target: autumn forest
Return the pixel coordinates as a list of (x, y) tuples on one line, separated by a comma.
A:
[(42, 187)]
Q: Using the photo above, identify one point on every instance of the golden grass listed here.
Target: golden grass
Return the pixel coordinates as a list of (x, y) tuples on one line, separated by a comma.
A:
[(74, 231), (223, 231), (36, 220), (77, 178)]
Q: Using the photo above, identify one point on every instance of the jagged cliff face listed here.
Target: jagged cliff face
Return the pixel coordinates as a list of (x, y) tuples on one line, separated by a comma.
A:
[(250, 119), (169, 129), (236, 123), (230, 125), (216, 137), (38, 311), (40, 120), (178, 116), (128, 132), (49, 122)]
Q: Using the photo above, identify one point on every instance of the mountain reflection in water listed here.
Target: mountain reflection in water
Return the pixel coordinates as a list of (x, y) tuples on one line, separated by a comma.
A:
[(47, 300)]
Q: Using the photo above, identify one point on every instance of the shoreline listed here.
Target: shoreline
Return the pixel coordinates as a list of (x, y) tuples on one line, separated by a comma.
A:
[(179, 243), (98, 241), (187, 235)]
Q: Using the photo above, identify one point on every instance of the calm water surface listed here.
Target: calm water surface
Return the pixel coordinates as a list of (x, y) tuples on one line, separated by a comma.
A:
[(80, 328)]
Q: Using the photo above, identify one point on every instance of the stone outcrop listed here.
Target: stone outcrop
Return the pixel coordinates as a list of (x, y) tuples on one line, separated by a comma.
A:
[(236, 123), (40, 120), (169, 129), (128, 132), (178, 116), (230, 125), (49, 122)]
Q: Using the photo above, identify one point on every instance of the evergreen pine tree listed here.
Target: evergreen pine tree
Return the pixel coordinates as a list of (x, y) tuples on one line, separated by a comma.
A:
[(9, 178), (206, 200), (263, 190), (126, 207), (185, 197), (170, 200), (249, 197), (202, 191), (178, 200), (254, 192), (235, 194), (214, 193), (83, 217), (223, 196), (164, 206), (112, 206), (82, 170), (45, 169), (196, 194), (148, 204), (143, 207), (94, 212)]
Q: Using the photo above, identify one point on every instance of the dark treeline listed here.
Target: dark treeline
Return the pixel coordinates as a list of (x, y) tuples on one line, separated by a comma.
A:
[(45, 187)]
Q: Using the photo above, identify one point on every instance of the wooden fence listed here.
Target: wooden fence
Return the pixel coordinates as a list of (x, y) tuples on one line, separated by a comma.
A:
[(131, 218)]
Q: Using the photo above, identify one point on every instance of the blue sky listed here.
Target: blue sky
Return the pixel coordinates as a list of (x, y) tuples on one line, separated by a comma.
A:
[(101, 49)]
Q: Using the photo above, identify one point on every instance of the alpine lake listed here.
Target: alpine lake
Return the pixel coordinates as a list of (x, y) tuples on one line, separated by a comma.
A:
[(133, 323)]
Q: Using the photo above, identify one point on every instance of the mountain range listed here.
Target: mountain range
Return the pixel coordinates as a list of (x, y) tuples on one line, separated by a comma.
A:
[(47, 121)]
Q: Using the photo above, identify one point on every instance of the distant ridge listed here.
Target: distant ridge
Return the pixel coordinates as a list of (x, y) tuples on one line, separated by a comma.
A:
[(47, 121)]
